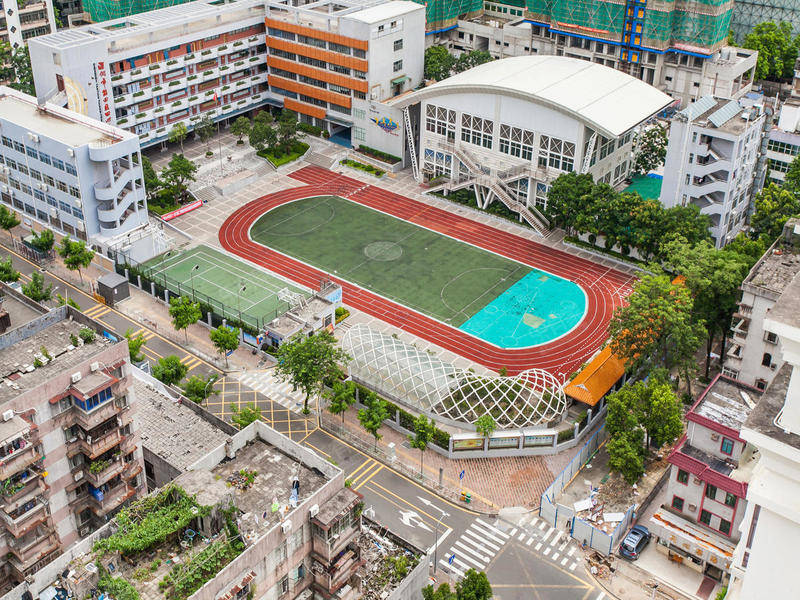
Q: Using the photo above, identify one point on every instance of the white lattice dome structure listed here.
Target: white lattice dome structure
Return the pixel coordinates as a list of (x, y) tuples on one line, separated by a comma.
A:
[(429, 385)]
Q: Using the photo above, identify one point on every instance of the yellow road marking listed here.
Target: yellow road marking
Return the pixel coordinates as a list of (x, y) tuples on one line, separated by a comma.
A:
[(366, 472), (375, 472), (313, 447), (404, 500), (361, 466)]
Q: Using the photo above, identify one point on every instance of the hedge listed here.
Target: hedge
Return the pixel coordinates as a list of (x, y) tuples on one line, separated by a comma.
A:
[(354, 164), (379, 154)]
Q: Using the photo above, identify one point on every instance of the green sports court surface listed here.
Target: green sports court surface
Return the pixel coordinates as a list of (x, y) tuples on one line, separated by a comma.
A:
[(219, 276), (497, 299)]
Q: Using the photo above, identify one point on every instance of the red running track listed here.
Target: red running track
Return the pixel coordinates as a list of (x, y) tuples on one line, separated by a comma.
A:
[(605, 288)]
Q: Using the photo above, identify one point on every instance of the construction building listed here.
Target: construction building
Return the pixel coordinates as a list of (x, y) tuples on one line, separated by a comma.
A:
[(752, 356), (711, 162), (763, 564), (508, 128), (74, 175), (107, 10), (747, 14), (699, 524), (329, 62), (677, 47), (70, 455), (24, 19)]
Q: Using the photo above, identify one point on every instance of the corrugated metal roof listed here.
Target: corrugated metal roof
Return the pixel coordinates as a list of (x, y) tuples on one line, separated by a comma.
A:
[(698, 107), (721, 116)]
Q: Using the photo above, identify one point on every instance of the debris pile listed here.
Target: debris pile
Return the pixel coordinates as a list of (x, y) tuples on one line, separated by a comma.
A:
[(386, 563)]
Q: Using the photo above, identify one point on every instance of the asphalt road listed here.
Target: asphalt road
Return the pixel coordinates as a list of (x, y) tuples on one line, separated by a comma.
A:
[(518, 566)]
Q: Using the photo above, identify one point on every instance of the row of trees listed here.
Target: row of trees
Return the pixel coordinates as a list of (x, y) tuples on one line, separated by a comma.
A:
[(15, 68), (440, 64), (171, 186)]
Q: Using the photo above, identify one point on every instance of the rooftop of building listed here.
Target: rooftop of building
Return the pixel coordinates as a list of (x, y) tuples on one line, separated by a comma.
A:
[(18, 373), (171, 430), (55, 122), (780, 263), (721, 114), (19, 311), (714, 462), (725, 402), (608, 100), (763, 418)]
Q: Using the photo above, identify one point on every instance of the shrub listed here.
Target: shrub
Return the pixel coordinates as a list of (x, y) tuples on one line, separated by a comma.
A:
[(565, 435), (379, 154), (86, 334), (363, 167)]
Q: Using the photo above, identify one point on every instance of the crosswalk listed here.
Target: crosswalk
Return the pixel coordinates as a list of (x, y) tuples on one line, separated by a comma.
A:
[(265, 382), (482, 541), (97, 311)]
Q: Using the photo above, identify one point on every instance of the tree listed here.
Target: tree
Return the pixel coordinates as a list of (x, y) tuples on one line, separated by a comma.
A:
[(471, 59), (15, 68), (485, 425), (262, 136), (373, 416), (43, 241), (263, 117), (242, 417), (438, 63), (651, 149), (713, 277), (656, 328), (152, 184), (342, 396), (777, 50), (225, 339), (68, 301), (198, 389), (287, 130), (178, 173), (686, 221), (568, 197), (647, 412), (625, 458), (205, 129), (773, 207), (36, 290), (75, 254), (184, 312), (178, 133), (308, 361), (424, 430), (169, 370), (240, 128), (135, 343), (7, 271), (473, 586), (443, 592), (791, 180), (8, 220)]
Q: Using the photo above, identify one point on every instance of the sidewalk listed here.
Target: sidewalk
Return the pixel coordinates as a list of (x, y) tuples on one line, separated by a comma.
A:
[(493, 483)]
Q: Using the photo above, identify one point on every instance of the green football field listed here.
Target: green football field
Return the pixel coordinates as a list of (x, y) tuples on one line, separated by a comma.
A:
[(429, 272), (220, 277)]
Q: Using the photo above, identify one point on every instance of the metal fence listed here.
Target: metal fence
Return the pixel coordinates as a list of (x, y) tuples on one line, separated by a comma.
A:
[(563, 517), (164, 288)]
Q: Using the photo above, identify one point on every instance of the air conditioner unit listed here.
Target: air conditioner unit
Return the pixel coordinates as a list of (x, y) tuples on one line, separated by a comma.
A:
[(78, 203), (8, 415), (54, 212), (94, 366), (5, 189), (75, 377), (714, 437), (697, 481), (314, 510), (34, 138), (79, 226), (78, 476), (71, 152), (286, 526)]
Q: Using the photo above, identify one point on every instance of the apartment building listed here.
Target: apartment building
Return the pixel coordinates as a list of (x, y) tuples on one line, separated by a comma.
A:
[(765, 559), (23, 19), (74, 175), (783, 140), (70, 455), (710, 466), (685, 57), (711, 162), (149, 71), (752, 356)]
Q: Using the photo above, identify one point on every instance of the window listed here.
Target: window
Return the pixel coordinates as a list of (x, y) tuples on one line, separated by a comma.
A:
[(770, 338), (711, 491), (397, 66), (45, 158), (556, 153), (766, 360), (732, 373), (19, 147), (58, 163), (359, 134), (437, 163), (725, 526), (475, 130), (727, 446), (705, 517), (677, 503), (761, 384), (73, 191), (440, 121), (683, 477), (95, 401), (283, 585), (71, 169), (730, 499), (398, 44), (516, 142), (31, 152)]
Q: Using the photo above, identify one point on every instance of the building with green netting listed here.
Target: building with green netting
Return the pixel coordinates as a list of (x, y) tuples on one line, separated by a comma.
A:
[(679, 47), (104, 10)]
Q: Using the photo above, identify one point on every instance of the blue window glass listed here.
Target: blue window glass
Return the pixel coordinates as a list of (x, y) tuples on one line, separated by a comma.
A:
[(77, 212), (45, 158), (71, 169), (64, 206), (31, 152), (52, 201), (38, 195), (727, 446), (58, 163)]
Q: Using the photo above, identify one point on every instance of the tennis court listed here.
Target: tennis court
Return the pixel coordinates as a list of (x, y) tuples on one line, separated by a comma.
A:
[(221, 277), (442, 277)]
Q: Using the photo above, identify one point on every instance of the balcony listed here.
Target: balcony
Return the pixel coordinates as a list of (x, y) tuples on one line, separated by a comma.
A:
[(20, 525), (25, 555), (103, 502), (90, 420), (99, 477), (25, 490), (94, 447), (109, 212), (18, 461)]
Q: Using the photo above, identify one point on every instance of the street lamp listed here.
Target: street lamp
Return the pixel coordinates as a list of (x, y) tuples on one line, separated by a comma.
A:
[(211, 380), (442, 515), (191, 275), (239, 293)]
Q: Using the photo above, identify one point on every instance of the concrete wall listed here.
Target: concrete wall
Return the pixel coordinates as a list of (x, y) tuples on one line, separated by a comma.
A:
[(702, 438)]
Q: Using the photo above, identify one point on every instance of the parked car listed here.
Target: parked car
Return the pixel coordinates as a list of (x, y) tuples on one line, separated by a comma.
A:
[(636, 541)]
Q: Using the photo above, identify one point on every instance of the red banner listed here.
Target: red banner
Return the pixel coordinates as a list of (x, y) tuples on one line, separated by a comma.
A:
[(182, 210)]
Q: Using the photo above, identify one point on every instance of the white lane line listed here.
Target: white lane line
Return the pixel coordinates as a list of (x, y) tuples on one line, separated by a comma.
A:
[(547, 551), (450, 567), (463, 555), (471, 552), (564, 562), (538, 547), (500, 541), (521, 536), (529, 542), (601, 596), (571, 551), (513, 531), (548, 534), (478, 540), (572, 566), (542, 525), (555, 556), (438, 542), (493, 528)]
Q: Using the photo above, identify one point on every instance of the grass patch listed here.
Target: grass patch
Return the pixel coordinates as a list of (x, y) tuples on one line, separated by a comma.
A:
[(363, 167), (277, 157)]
